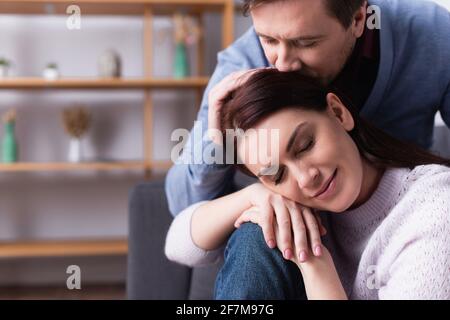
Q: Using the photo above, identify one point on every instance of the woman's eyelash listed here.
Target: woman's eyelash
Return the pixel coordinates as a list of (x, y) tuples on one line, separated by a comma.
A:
[(305, 148), (279, 177)]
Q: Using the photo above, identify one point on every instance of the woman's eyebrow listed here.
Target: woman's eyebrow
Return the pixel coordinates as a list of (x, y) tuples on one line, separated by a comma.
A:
[(294, 135)]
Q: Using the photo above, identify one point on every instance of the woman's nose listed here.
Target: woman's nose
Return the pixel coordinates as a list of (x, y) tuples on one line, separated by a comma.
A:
[(307, 178)]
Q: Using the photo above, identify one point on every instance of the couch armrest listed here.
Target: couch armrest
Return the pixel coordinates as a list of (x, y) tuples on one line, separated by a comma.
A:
[(150, 275)]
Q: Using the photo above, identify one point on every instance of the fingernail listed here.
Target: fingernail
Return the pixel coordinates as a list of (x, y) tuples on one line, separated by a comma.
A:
[(287, 254), (318, 250), (303, 256), (271, 244)]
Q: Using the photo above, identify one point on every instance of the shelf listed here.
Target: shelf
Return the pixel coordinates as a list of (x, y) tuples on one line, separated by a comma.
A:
[(111, 7), (63, 248), (145, 10), (100, 166), (97, 83)]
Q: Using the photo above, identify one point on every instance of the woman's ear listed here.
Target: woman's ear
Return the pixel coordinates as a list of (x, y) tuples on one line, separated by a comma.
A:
[(337, 110)]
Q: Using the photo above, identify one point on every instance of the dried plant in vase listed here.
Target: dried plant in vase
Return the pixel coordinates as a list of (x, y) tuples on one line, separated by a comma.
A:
[(77, 121), (9, 142)]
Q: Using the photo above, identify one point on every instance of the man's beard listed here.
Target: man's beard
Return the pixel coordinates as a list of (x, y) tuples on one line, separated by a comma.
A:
[(344, 56), (346, 53)]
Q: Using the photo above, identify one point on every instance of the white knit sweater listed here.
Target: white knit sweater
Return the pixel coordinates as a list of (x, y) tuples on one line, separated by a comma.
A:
[(394, 246)]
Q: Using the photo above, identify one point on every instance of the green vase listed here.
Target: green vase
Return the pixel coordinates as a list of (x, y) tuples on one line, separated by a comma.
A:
[(9, 144), (181, 67)]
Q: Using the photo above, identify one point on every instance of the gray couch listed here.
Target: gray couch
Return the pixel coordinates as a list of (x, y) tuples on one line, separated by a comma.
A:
[(149, 274)]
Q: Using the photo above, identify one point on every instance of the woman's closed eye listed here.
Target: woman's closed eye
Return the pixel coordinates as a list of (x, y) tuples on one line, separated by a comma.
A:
[(281, 173), (279, 176), (307, 146)]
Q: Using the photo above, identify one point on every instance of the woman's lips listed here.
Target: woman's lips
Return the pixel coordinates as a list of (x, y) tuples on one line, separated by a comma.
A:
[(329, 190)]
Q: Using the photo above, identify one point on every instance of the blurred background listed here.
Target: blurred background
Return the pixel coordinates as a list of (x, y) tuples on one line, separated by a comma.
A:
[(64, 194)]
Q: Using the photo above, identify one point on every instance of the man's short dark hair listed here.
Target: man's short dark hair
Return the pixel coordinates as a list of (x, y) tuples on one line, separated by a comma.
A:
[(343, 10)]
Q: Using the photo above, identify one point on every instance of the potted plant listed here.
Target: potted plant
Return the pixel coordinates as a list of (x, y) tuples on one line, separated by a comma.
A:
[(51, 71), (4, 67)]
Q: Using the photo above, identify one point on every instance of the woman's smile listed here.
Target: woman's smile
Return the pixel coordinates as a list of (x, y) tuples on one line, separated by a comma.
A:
[(329, 188)]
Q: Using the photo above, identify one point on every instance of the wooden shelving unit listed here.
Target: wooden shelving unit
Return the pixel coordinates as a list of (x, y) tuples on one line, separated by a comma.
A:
[(97, 166), (37, 249), (147, 9), (112, 7), (96, 84)]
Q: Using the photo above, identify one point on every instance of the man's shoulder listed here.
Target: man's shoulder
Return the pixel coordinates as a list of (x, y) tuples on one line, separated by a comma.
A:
[(245, 51), (417, 16)]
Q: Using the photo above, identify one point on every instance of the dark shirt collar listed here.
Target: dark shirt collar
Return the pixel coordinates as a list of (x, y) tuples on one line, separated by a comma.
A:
[(356, 80)]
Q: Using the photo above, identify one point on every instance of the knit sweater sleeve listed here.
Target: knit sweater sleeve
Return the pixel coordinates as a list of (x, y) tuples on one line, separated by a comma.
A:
[(180, 246), (421, 268)]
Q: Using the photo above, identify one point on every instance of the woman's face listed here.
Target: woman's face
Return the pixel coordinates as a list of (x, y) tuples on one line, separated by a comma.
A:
[(319, 164)]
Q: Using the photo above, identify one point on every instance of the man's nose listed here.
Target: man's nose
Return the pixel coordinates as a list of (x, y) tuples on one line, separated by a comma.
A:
[(286, 60)]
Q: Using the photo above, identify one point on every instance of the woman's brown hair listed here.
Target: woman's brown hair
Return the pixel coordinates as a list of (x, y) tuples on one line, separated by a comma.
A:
[(268, 91)]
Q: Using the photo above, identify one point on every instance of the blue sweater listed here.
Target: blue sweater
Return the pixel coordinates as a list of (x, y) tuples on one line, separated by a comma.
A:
[(412, 84)]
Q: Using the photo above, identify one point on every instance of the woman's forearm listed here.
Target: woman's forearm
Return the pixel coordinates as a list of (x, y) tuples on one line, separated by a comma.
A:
[(321, 279), (213, 222)]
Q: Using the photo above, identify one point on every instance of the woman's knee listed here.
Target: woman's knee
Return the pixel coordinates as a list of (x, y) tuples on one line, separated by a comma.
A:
[(248, 237)]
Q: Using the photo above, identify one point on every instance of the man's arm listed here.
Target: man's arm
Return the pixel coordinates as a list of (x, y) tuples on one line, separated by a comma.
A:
[(199, 181), (445, 104), (445, 107)]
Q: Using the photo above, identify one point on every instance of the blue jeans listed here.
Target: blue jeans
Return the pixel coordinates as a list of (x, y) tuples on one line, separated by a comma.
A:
[(253, 271)]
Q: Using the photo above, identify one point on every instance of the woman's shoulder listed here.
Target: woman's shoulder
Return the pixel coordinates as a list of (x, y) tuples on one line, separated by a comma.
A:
[(428, 175), (426, 191), (422, 211), (424, 181)]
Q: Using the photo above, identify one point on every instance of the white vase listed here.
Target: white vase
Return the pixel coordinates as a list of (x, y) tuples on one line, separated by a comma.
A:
[(109, 64), (50, 74), (75, 150), (3, 71)]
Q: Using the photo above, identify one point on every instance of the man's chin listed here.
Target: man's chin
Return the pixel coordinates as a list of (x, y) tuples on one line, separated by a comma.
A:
[(324, 80)]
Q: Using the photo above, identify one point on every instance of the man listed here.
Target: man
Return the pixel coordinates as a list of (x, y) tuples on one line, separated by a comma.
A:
[(394, 66)]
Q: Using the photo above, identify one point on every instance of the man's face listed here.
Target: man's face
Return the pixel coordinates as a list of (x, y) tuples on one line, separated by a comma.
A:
[(303, 35)]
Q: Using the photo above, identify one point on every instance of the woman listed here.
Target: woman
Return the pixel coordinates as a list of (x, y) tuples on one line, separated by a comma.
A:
[(388, 201)]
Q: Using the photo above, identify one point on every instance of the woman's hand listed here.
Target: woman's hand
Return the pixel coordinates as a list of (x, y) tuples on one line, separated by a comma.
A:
[(285, 223), (216, 97)]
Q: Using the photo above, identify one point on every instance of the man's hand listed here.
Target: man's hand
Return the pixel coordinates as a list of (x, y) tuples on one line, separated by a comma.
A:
[(216, 97)]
